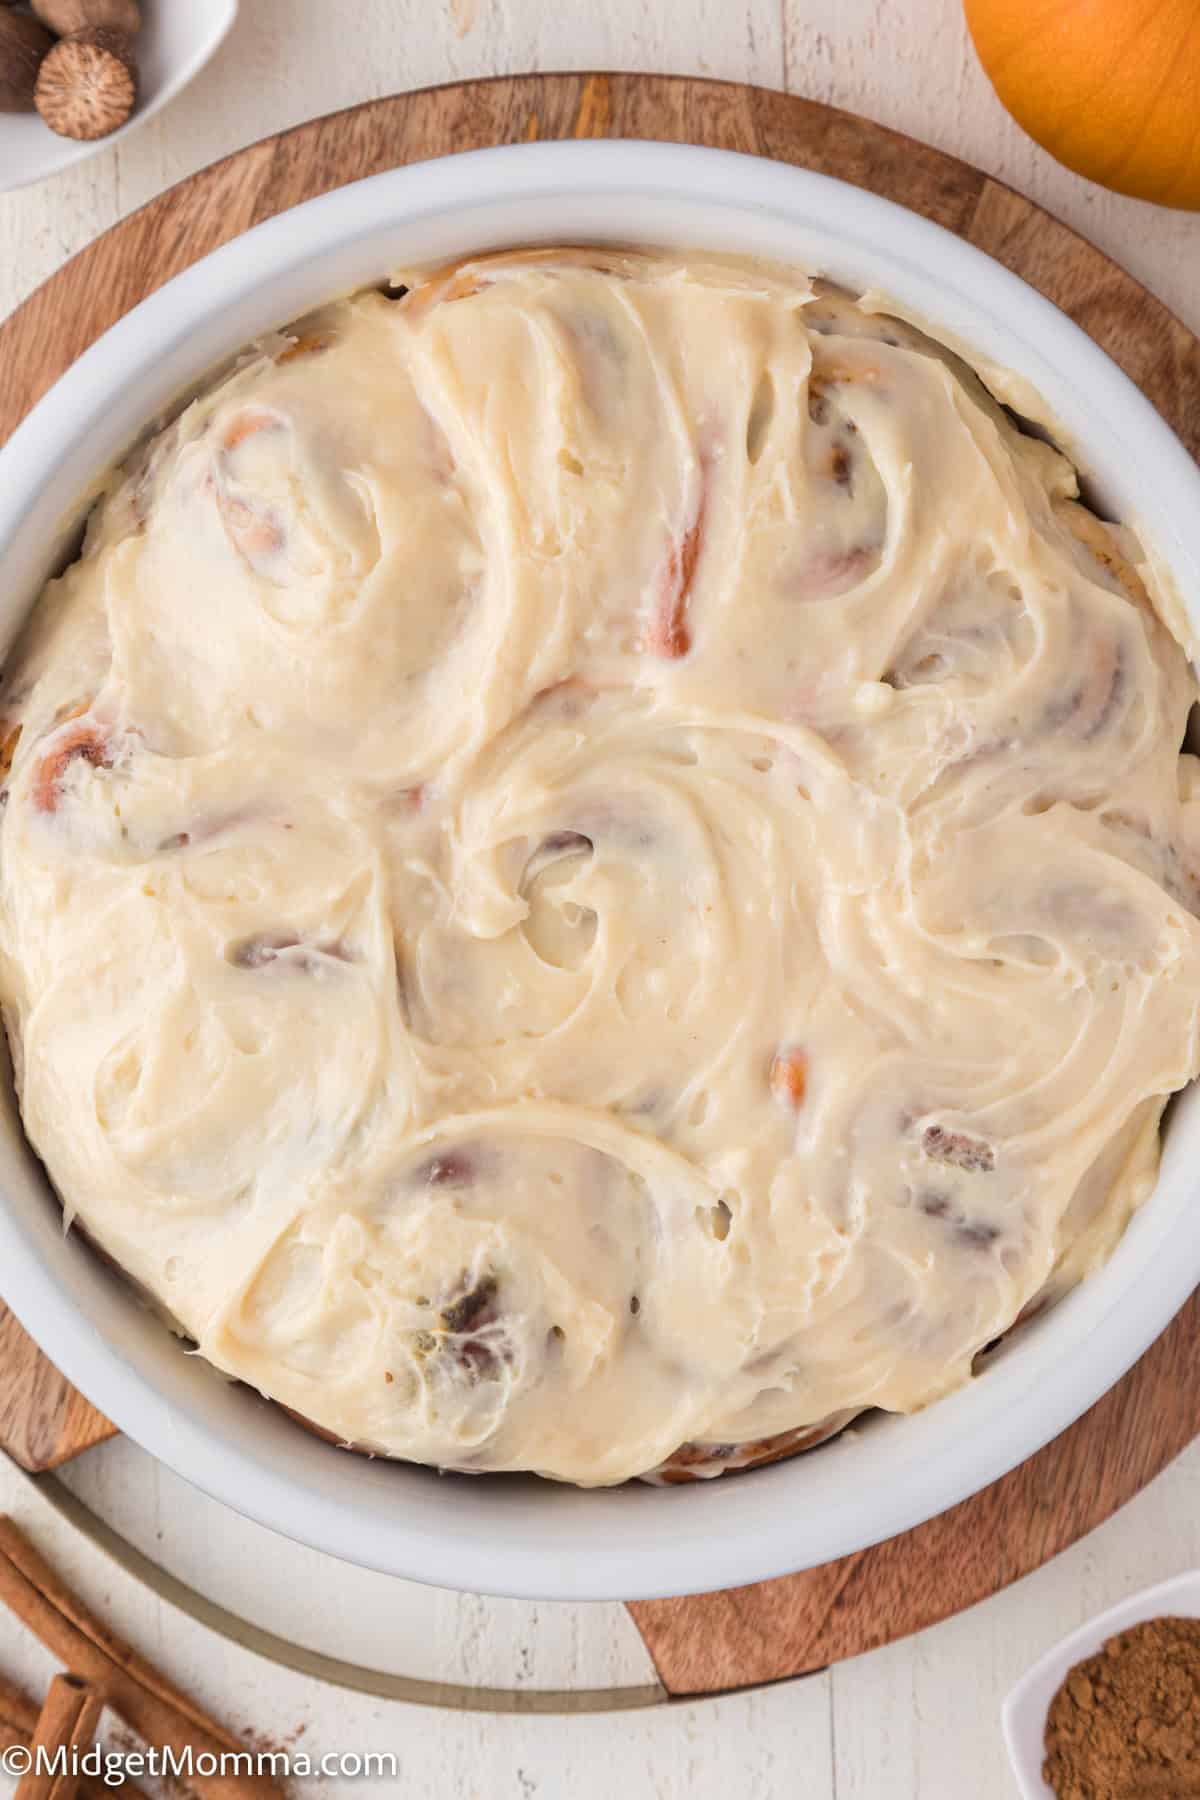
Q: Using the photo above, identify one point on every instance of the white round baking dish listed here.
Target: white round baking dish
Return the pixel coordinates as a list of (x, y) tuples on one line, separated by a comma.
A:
[(509, 1535)]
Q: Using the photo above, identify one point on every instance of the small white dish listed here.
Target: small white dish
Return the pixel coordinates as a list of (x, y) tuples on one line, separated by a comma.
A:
[(176, 40), (1024, 1713)]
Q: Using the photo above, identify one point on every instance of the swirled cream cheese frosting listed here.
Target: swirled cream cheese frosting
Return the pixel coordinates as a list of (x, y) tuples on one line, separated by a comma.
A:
[(597, 872)]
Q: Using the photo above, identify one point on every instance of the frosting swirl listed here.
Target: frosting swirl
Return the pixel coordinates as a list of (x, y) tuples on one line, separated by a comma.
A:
[(597, 859)]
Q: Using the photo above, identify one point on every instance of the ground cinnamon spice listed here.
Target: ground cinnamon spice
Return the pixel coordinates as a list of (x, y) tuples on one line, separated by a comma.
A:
[(1125, 1724)]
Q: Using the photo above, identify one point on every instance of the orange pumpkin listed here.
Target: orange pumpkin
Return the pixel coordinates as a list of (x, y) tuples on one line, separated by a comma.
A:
[(1109, 87)]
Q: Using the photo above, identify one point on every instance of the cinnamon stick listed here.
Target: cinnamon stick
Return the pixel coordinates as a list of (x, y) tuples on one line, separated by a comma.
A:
[(66, 1726), (160, 1713), (18, 1722), (18, 1715)]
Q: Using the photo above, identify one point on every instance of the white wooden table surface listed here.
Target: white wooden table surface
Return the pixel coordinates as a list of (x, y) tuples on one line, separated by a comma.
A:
[(920, 1718)]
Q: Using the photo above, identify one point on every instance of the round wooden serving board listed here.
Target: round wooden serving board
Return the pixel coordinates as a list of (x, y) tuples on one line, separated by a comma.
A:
[(788, 1627)]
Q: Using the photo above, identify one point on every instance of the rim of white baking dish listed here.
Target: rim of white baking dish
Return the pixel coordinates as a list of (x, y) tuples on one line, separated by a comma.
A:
[(513, 1535)]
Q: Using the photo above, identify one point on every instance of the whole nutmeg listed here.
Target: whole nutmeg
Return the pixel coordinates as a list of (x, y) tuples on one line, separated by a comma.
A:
[(87, 84), (23, 44), (65, 17)]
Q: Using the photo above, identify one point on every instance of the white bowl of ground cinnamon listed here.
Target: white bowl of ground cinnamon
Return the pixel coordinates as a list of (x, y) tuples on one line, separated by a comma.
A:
[(1114, 1709)]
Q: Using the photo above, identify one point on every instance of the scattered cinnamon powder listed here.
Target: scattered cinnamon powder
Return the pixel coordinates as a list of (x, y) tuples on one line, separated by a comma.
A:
[(1125, 1724)]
